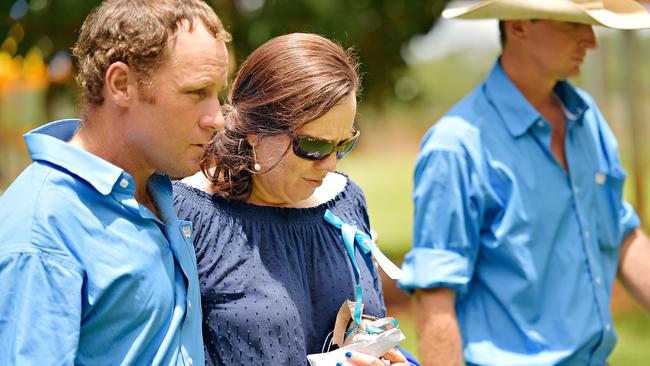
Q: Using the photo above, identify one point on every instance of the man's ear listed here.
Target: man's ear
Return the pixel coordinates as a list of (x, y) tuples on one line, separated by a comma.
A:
[(120, 84), (517, 28)]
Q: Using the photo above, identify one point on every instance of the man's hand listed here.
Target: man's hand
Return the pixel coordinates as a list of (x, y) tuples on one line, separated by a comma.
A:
[(439, 340), (634, 266)]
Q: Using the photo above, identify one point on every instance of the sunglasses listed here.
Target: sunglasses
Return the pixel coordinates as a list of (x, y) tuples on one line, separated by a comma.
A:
[(312, 148)]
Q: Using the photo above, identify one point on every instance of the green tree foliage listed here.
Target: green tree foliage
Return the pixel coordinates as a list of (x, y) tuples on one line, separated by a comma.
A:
[(51, 25), (377, 29)]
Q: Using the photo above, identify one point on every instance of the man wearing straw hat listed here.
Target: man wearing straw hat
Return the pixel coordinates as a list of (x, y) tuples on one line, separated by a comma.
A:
[(520, 226)]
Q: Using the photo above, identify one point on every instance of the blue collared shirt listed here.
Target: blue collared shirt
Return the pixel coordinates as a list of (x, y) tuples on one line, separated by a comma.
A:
[(530, 248), (88, 275)]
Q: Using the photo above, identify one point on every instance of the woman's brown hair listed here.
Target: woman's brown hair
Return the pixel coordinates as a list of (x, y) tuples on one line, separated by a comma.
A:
[(287, 82)]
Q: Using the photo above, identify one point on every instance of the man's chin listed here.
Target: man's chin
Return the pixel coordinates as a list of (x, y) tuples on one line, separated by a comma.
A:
[(182, 172), (574, 72)]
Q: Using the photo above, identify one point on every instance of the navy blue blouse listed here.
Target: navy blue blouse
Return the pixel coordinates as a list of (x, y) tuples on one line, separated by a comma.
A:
[(273, 279)]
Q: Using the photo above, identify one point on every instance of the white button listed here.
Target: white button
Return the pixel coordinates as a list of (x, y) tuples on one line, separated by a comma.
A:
[(540, 123), (587, 234), (576, 189), (124, 183), (186, 231), (608, 327), (598, 280), (189, 304), (189, 359)]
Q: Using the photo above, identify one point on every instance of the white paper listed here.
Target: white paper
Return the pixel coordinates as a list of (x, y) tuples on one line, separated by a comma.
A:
[(376, 345)]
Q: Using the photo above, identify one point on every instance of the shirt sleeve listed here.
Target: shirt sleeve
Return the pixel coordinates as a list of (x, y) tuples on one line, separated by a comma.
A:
[(446, 222), (40, 309), (629, 219)]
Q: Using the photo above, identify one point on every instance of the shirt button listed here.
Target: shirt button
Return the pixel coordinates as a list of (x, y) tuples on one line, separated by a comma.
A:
[(124, 183), (587, 234), (576, 189), (189, 304), (540, 123), (598, 280), (190, 361), (608, 327)]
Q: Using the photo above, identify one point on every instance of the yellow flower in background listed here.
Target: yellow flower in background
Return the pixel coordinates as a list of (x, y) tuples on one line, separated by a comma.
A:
[(34, 70), (20, 73), (9, 46), (10, 72), (31, 71)]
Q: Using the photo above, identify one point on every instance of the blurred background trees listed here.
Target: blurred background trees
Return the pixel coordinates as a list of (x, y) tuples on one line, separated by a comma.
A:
[(45, 30), (377, 29), (36, 68)]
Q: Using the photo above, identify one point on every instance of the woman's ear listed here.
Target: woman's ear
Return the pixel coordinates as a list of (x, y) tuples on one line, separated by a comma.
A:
[(252, 140), (118, 82)]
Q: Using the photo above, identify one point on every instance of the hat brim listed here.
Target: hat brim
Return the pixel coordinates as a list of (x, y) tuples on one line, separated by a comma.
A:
[(617, 14)]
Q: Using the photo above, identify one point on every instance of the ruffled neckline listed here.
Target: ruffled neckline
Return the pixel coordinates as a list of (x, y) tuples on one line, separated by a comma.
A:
[(212, 201)]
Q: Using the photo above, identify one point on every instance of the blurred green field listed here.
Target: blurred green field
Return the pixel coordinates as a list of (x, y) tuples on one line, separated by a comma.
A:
[(386, 178), (385, 174)]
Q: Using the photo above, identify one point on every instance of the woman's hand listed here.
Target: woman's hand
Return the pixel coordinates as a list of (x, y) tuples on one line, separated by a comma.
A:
[(392, 357)]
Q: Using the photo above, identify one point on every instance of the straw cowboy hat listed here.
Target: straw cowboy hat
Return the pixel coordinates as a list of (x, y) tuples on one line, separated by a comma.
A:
[(618, 14)]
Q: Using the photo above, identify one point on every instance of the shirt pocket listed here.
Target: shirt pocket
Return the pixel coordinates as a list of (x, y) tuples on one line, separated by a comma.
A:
[(609, 197)]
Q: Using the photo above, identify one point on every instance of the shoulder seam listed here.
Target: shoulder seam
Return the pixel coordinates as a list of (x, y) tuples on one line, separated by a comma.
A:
[(36, 200), (46, 257), (38, 251)]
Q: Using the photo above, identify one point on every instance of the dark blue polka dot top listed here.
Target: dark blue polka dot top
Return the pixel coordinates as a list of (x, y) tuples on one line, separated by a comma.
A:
[(273, 279)]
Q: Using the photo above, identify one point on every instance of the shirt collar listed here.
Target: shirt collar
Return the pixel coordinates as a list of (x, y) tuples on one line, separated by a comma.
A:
[(49, 143), (160, 188), (574, 104), (518, 114)]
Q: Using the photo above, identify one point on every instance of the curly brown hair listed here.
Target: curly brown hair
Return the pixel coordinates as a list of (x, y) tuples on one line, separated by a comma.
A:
[(287, 82), (135, 32)]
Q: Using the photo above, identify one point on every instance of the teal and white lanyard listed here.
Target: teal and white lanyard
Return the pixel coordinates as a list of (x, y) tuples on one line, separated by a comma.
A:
[(351, 235)]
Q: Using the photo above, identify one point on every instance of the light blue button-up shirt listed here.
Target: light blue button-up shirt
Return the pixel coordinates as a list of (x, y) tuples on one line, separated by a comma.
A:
[(530, 248), (89, 276)]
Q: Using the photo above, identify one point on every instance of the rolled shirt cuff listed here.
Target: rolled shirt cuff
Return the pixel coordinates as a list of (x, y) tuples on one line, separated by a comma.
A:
[(429, 268), (630, 220)]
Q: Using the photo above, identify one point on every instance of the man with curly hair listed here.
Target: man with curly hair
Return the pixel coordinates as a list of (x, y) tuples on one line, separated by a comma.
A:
[(95, 267)]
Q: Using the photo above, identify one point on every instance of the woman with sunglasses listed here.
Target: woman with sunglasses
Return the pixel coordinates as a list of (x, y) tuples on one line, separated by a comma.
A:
[(273, 271)]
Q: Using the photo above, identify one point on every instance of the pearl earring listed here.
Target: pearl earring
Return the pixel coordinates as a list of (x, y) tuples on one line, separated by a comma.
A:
[(256, 166)]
